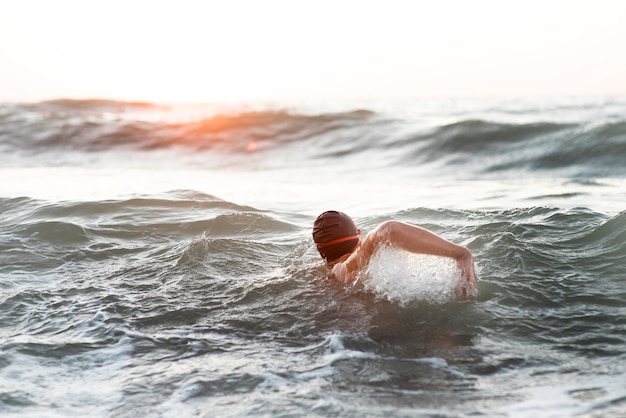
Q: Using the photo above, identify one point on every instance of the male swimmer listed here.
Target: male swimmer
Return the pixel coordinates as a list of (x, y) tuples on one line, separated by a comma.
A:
[(339, 242)]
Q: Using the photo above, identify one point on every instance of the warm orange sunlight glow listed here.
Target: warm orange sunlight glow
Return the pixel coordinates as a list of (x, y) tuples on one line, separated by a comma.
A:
[(281, 50)]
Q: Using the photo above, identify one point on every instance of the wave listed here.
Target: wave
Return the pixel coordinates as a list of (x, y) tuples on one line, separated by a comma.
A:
[(471, 136), (516, 241), (175, 227), (470, 146), (89, 105), (186, 213), (497, 149), (72, 127)]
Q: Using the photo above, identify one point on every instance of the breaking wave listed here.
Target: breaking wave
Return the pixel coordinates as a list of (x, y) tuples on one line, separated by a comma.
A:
[(478, 147)]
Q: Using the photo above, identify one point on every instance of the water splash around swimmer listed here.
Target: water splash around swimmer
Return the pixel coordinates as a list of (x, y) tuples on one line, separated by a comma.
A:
[(407, 277)]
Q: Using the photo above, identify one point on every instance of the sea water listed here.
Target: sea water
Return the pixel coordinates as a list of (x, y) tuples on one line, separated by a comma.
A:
[(157, 260)]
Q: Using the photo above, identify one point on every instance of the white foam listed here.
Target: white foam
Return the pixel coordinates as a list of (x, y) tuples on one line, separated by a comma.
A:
[(560, 400), (84, 384), (405, 277)]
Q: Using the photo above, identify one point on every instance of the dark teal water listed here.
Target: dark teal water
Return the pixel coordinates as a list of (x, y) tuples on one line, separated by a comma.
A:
[(123, 297)]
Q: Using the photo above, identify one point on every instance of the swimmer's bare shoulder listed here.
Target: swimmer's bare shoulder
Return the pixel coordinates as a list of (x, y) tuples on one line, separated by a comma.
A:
[(348, 268)]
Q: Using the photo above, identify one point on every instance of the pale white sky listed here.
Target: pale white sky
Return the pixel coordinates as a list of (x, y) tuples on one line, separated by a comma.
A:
[(298, 49)]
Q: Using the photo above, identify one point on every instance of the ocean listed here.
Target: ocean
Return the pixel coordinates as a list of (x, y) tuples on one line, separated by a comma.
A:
[(156, 260)]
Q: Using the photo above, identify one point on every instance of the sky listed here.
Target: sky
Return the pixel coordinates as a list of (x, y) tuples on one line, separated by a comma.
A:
[(272, 50)]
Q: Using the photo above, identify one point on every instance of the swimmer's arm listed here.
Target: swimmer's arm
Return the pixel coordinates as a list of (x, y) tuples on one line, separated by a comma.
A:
[(419, 240), (409, 238), (400, 235)]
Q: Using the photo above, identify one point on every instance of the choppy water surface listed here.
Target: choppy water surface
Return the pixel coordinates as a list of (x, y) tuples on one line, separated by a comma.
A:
[(158, 262)]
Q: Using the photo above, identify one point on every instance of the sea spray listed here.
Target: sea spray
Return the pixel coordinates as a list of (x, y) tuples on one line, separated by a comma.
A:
[(404, 277)]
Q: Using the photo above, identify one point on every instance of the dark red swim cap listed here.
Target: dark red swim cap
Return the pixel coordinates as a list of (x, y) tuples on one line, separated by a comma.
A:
[(335, 234)]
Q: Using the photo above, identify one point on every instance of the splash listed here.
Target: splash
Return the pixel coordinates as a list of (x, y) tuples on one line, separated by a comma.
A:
[(405, 277)]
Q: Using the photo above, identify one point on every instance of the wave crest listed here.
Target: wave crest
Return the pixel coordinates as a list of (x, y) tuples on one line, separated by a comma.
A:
[(471, 146)]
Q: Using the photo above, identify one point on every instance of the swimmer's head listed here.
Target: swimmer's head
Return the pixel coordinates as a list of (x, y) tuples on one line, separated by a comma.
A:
[(335, 235)]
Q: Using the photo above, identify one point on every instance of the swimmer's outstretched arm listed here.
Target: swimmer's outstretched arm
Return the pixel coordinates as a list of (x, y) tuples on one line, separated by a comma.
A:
[(417, 240)]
